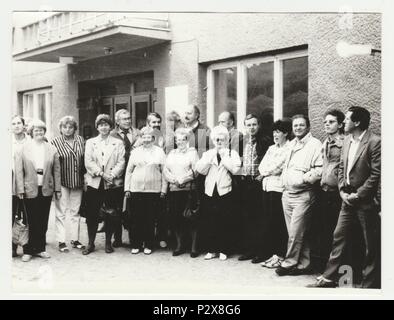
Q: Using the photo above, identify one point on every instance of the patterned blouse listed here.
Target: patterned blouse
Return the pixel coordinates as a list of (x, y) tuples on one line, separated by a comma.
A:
[(71, 161)]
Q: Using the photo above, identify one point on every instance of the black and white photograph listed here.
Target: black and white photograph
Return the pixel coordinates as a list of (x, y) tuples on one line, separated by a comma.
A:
[(194, 152)]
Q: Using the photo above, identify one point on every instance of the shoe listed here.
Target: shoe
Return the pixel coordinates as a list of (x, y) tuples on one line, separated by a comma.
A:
[(194, 254), (63, 247), (300, 272), (272, 263), (245, 257), (210, 256), (44, 255), (281, 271), (222, 256), (117, 244), (322, 283), (178, 253), (147, 251), (26, 257), (163, 244), (257, 259), (77, 245), (135, 251), (108, 248), (89, 249)]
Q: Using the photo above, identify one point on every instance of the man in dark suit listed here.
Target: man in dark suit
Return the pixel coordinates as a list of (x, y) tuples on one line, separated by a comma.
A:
[(358, 180)]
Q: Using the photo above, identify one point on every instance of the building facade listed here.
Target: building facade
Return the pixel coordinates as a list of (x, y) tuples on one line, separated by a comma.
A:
[(83, 64)]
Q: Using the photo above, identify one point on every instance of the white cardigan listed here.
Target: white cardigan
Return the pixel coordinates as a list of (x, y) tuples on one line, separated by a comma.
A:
[(218, 174)]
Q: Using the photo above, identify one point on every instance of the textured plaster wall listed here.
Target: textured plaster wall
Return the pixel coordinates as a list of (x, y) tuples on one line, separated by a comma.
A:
[(199, 39)]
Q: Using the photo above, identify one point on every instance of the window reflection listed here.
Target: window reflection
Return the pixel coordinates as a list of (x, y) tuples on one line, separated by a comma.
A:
[(260, 92), (225, 90), (295, 86)]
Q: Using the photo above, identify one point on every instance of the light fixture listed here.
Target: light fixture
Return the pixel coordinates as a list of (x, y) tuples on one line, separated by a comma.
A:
[(346, 50), (108, 50)]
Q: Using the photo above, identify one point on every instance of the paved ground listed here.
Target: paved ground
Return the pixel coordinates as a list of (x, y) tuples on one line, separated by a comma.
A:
[(159, 273)]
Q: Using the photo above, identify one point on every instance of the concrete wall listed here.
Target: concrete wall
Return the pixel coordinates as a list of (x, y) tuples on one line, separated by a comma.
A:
[(198, 39)]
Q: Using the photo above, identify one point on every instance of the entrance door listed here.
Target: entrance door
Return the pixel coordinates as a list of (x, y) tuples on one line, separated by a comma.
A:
[(141, 106)]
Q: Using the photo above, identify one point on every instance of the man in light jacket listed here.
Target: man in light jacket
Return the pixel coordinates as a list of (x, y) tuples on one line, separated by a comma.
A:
[(302, 169)]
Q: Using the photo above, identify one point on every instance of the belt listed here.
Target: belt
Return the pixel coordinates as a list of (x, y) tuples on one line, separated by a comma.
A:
[(40, 172), (250, 178)]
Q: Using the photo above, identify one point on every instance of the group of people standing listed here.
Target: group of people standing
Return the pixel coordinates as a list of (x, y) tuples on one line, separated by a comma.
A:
[(254, 194)]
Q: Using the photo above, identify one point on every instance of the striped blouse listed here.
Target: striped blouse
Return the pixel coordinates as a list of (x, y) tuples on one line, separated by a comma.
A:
[(71, 161)]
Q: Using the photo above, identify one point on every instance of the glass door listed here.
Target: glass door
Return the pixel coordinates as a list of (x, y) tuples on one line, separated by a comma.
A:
[(141, 106)]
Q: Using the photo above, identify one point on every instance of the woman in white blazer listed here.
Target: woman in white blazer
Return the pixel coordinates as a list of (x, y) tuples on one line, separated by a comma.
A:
[(37, 172), (218, 164), (105, 164)]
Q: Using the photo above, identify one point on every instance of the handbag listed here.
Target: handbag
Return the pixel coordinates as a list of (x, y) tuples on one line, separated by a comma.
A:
[(192, 209), (20, 228)]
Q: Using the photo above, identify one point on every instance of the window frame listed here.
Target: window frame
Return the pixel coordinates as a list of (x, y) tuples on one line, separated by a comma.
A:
[(241, 64), (35, 106)]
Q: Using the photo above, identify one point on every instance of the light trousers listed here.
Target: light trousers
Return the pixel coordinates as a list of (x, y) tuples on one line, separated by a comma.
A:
[(297, 208), (68, 205)]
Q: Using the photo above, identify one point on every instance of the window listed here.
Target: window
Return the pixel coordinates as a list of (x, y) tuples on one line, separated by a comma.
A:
[(38, 104), (271, 87)]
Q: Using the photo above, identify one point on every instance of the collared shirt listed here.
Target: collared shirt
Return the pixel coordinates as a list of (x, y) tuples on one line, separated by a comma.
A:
[(272, 165), (144, 170), (331, 152), (71, 156), (354, 144), (250, 164)]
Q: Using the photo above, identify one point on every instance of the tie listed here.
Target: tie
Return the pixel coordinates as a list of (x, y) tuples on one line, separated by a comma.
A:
[(219, 158), (127, 144)]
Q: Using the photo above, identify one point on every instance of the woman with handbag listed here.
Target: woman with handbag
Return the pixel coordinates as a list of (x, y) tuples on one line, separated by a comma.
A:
[(144, 186), (179, 171), (218, 164), (105, 163), (71, 149), (38, 178)]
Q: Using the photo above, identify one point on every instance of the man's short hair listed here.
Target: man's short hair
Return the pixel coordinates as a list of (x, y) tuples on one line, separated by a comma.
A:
[(283, 125), (362, 115), (301, 116), (119, 113), (337, 114), (196, 110), (252, 116), (153, 114)]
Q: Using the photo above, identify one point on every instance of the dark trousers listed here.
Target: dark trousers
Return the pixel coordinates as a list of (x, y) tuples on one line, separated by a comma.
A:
[(219, 216), (330, 206), (37, 216), (253, 217), (143, 207), (274, 230), (162, 221), (363, 213), (94, 200)]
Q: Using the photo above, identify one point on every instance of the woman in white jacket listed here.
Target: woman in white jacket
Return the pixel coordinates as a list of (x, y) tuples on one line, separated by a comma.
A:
[(218, 164)]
